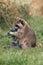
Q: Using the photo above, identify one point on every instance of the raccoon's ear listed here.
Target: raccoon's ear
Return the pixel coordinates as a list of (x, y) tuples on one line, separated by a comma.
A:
[(17, 18)]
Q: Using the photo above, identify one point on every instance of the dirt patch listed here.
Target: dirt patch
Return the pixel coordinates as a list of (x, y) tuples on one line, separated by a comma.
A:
[(36, 7)]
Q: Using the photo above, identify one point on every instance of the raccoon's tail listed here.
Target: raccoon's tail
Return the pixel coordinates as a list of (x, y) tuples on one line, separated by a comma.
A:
[(39, 45)]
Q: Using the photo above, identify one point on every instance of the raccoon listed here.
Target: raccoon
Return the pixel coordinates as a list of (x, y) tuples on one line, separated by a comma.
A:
[(25, 33)]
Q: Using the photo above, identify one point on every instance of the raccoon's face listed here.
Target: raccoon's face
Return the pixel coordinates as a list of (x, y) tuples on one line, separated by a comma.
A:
[(19, 23)]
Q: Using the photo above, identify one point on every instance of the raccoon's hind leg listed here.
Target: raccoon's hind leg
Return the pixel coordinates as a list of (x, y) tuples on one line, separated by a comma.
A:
[(27, 44), (24, 46)]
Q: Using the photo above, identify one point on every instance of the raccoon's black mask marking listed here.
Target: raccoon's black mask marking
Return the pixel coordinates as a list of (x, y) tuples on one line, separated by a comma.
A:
[(18, 23), (17, 26), (21, 22)]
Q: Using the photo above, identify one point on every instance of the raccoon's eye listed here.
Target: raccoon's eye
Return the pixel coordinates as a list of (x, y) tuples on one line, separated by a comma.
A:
[(17, 26), (21, 22)]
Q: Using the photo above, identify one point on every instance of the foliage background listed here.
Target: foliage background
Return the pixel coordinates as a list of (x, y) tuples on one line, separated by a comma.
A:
[(13, 55)]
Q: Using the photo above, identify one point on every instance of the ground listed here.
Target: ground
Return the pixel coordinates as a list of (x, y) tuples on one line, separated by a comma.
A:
[(30, 56)]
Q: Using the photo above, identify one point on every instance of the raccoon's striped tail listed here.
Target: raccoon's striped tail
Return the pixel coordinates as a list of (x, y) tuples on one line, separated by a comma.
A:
[(39, 45)]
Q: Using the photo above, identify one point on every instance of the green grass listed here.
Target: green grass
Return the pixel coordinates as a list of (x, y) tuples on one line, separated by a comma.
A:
[(30, 56)]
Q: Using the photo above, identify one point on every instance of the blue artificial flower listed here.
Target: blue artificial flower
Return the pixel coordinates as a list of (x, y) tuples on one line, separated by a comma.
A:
[(13, 29), (14, 43)]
